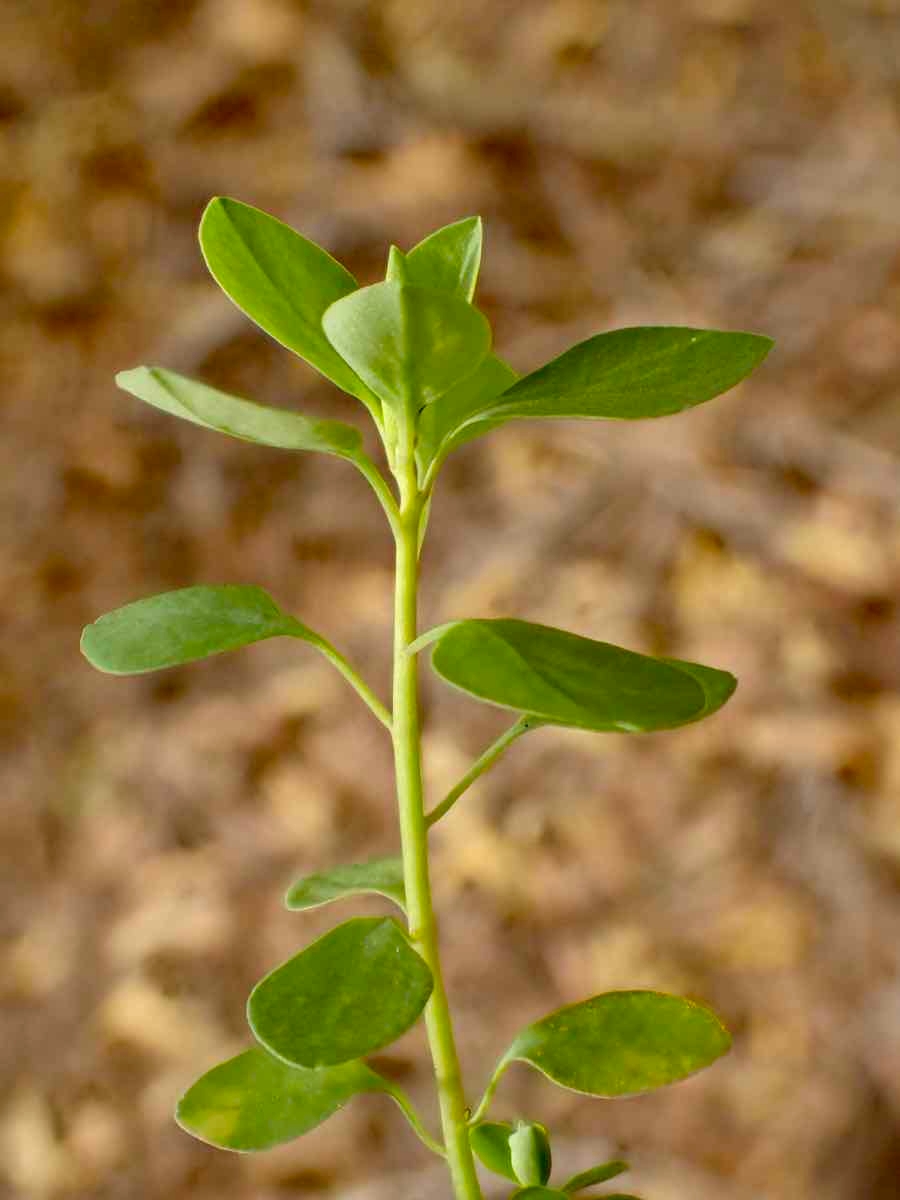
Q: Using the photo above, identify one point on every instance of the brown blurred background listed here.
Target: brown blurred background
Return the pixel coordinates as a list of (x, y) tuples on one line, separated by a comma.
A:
[(730, 163)]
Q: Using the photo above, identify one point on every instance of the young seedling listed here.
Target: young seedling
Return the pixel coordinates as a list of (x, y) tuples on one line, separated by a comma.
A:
[(417, 354)]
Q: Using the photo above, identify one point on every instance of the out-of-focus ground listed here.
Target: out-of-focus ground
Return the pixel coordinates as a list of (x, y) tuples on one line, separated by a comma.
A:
[(730, 163)]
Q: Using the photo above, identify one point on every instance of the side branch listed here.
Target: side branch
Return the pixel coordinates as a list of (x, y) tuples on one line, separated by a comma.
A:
[(480, 766)]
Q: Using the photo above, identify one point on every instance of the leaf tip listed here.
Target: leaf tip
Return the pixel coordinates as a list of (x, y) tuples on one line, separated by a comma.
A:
[(84, 642), (216, 208), (213, 205), (764, 344), (90, 653), (127, 379)]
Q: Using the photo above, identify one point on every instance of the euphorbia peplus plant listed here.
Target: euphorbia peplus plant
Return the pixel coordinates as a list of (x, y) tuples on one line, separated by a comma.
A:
[(417, 354)]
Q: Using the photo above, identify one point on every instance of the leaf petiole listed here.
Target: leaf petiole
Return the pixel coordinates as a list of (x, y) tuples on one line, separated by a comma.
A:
[(415, 1121), (379, 486), (493, 1083), (480, 766), (353, 677)]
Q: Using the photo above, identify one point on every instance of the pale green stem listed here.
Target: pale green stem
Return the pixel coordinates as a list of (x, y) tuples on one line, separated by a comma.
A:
[(352, 676), (479, 767), (414, 838)]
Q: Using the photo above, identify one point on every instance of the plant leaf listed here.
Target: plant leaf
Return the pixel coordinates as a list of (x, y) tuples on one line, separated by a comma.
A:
[(383, 876), (565, 679), (254, 1101), (718, 686), (282, 282), (449, 259), (207, 406), (646, 371), (599, 1174), (622, 1043), (541, 1193), (490, 1141), (396, 266), (439, 421), (183, 626), (409, 344), (529, 1149), (348, 994)]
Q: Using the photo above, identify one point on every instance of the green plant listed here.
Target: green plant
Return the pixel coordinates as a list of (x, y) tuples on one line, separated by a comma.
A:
[(417, 353)]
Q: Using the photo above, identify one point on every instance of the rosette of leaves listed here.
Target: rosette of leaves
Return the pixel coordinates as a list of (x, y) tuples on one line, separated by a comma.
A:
[(417, 354)]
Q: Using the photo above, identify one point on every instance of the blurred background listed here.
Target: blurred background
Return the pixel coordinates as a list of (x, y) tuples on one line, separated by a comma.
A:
[(725, 163)]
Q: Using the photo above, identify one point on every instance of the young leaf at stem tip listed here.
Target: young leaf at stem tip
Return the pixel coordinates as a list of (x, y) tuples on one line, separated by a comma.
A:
[(350, 993), (282, 282), (569, 680), (254, 1101), (183, 626), (439, 420), (622, 1043), (529, 1148), (381, 876), (208, 407), (448, 260), (409, 344)]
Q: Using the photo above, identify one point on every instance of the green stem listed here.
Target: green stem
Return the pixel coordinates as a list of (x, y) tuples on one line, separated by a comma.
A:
[(414, 839), (482, 764)]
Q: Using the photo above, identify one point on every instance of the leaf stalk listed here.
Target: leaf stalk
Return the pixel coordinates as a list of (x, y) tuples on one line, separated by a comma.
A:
[(353, 677), (481, 765), (493, 1083), (415, 1122)]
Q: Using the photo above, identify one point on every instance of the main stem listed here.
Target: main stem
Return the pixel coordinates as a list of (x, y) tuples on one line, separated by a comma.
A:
[(414, 840)]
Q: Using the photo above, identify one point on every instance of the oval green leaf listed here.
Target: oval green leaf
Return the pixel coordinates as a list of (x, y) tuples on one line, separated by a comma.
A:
[(622, 1043), (565, 679), (490, 1142), (598, 1174), (281, 281), (409, 344), (382, 876), (254, 1101), (183, 626), (627, 374), (438, 423), (449, 259), (212, 409), (350, 993), (529, 1149)]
